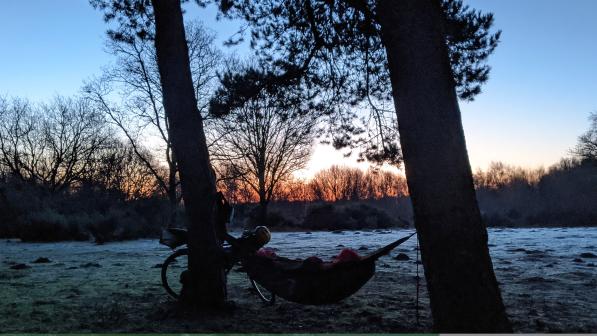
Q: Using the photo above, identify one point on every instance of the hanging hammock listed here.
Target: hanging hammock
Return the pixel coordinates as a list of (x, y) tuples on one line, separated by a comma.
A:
[(311, 281)]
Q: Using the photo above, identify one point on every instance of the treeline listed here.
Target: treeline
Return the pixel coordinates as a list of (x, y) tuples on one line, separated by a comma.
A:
[(563, 195), (337, 183), (64, 175), (336, 198)]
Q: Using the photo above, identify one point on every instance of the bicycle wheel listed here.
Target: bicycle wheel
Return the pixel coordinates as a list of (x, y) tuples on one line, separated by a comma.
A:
[(172, 269), (265, 295)]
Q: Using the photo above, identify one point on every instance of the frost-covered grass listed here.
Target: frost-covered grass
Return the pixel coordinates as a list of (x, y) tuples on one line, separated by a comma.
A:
[(116, 287)]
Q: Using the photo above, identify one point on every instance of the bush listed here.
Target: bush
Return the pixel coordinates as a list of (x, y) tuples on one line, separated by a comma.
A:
[(321, 217), (48, 226), (347, 217), (497, 220), (273, 219), (32, 213)]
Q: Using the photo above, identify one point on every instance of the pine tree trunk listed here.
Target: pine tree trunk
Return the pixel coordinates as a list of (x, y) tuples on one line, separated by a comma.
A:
[(463, 290), (204, 285)]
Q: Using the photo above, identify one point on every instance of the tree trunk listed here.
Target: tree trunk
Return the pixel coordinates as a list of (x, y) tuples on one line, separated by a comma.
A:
[(462, 286), (172, 194), (204, 283), (262, 214), (262, 211)]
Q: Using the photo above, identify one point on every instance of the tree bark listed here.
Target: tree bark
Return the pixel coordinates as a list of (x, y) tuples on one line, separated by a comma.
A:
[(204, 283), (172, 194), (262, 215), (463, 290)]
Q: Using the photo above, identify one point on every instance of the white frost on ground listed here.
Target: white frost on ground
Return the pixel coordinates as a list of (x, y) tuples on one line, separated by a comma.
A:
[(546, 284)]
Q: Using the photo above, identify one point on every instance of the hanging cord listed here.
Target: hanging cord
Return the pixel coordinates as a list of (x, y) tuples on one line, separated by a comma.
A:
[(418, 283)]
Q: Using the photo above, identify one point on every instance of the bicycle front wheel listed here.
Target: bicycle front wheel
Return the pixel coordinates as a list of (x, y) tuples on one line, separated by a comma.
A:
[(172, 270)]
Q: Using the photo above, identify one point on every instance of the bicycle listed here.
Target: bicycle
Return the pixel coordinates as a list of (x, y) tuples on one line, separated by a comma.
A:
[(178, 261)]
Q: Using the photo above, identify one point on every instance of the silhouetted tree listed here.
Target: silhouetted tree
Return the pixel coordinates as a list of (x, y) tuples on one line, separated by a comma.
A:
[(429, 52), (51, 144), (204, 283), (562, 195), (294, 190), (117, 167), (499, 175), (140, 115), (586, 149), (352, 184), (262, 143)]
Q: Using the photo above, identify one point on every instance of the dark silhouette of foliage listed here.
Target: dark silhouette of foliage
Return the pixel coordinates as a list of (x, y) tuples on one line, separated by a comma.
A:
[(586, 148), (140, 116), (564, 195), (54, 144), (337, 44), (333, 217), (133, 18), (139, 18), (332, 53), (263, 142)]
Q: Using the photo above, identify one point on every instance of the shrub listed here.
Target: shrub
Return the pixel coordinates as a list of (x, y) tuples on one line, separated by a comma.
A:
[(32, 213), (48, 225), (273, 219), (347, 217)]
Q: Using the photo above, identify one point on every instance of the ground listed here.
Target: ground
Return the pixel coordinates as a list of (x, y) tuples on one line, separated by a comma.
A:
[(547, 276)]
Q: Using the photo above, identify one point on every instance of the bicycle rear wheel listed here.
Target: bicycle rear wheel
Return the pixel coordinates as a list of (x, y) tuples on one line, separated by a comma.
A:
[(265, 295), (172, 270)]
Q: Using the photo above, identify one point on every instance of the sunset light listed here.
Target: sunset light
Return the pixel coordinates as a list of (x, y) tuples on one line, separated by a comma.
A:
[(298, 166)]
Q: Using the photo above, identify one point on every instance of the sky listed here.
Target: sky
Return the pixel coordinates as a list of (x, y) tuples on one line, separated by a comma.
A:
[(542, 87)]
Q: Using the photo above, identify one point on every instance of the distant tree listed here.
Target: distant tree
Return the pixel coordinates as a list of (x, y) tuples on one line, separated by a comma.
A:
[(235, 190), (140, 114), (339, 183), (336, 183), (294, 190), (262, 143), (499, 175), (429, 53), (586, 148), (117, 168), (51, 144), (386, 184), (326, 185)]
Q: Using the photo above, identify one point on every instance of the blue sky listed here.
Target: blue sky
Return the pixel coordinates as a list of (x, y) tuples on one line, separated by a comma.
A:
[(542, 87), (543, 84)]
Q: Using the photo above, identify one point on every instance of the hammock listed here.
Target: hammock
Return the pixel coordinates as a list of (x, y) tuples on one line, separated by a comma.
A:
[(310, 283)]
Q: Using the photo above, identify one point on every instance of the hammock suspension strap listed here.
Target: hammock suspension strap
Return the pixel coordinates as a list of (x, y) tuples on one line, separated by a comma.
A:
[(418, 283)]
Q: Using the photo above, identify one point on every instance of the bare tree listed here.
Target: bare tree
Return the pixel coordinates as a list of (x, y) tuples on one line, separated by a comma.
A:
[(262, 143), (586, 148), (51, 144), (344, 183), (326, 185), (17, 133), (117, 168), (140, 115)]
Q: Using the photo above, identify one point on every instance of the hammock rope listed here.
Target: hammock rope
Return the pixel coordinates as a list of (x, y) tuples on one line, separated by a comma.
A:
[(418, 281)]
